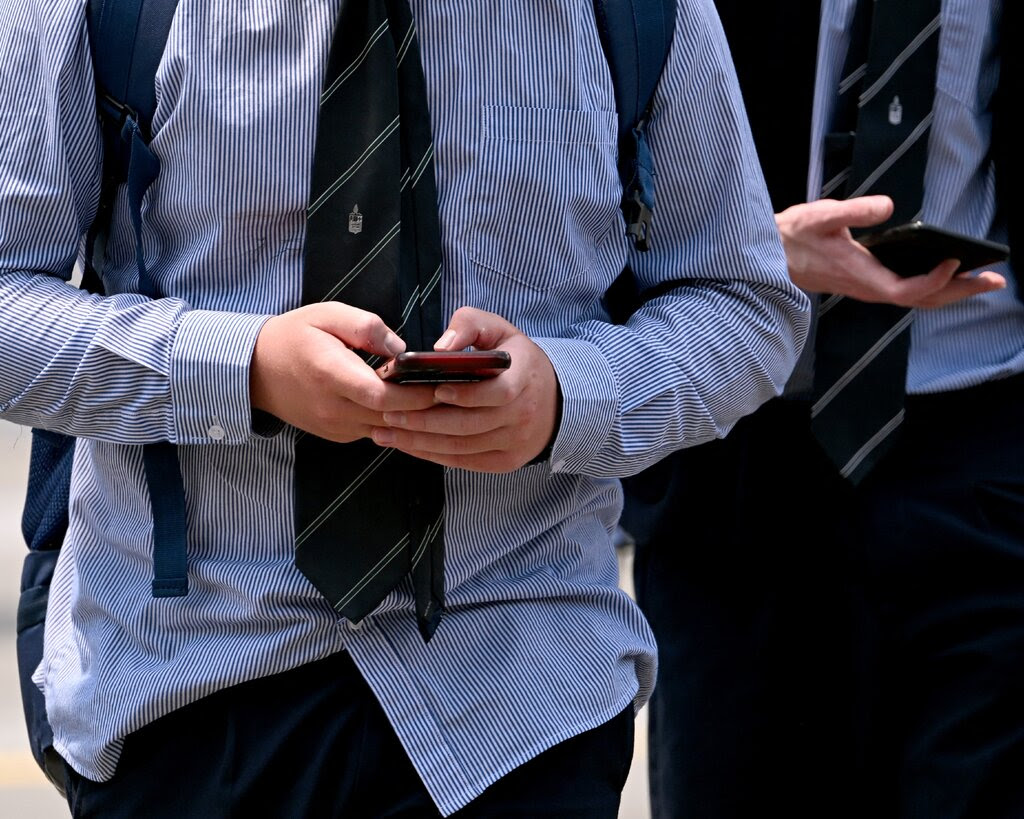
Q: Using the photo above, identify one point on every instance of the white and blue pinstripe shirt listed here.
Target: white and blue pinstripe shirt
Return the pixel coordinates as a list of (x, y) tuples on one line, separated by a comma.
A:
[(981, 338), (539, 643)]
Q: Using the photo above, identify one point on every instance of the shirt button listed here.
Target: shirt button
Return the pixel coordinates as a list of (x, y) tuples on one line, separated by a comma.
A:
[(216, 431), (355, 626)]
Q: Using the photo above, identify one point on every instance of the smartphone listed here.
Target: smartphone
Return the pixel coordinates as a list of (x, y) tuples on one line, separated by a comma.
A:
[(438, 367), (917, 247)]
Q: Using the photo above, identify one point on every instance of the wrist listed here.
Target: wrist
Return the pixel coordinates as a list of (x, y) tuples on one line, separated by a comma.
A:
[(545, 454)]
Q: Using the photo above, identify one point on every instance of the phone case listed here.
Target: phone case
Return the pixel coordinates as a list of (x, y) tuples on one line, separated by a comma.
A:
[(438, 367), (916, 248)]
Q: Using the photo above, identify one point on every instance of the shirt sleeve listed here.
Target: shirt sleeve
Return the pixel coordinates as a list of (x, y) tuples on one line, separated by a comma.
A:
[(722, 325), (121, 368)]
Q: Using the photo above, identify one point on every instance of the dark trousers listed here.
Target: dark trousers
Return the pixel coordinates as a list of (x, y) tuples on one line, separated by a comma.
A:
[(313, 742), (748, 601), (873, 664), (941, 536)]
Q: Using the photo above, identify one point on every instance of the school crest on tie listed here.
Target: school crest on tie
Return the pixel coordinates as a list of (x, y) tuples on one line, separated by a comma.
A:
[(355, 220), (895, 111)]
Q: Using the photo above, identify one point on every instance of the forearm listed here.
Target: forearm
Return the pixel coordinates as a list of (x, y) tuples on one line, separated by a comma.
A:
[(681, 372), (125, 368)]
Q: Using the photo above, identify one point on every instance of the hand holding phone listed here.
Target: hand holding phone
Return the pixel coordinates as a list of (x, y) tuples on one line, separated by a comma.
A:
[(916, 247), (435, 367), (495, 426)]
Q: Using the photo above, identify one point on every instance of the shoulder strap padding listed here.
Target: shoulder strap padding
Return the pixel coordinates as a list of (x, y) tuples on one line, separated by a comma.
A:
[(128, 39), (635, 35)]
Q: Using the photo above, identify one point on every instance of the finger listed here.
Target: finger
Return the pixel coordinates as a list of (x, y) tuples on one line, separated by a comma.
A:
[(470, 327), (974, 286), (344, 376), (963, 287), (340, 418), (383, 397), (445, 420), (990, 279), (340, 435), (340, 421), (440, 444), (357, 328), (943, 285), (910, 290), (332, 415), (494, 392), (448, 421), (861, 211), (939, 276)]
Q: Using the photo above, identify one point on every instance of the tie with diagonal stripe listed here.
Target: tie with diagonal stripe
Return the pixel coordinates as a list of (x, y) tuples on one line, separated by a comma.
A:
[(367, 517), (878, 145)]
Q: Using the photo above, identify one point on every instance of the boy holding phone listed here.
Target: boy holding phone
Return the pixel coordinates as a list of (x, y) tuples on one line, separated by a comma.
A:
[(258, 692), (915, 710)]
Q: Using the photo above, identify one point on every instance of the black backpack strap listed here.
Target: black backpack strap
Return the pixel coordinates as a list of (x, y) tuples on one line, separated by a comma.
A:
[(636, 36), (127, 39)]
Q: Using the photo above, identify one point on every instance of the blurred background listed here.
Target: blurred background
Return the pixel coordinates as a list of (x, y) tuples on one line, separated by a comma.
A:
[(24, 792)]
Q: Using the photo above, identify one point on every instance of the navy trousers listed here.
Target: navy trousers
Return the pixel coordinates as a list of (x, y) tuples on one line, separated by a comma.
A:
[(313, 742), (940, 534), (749, 601), (873, 663)]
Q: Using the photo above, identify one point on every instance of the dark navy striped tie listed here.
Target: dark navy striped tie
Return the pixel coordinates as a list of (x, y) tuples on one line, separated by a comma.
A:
[(878, 145), (366, 517)]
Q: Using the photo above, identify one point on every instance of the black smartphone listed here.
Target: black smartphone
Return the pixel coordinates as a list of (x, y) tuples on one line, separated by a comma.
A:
[(438, 367), (916, 247)]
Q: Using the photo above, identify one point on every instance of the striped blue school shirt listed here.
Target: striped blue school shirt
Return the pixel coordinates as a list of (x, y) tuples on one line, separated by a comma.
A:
[(539, 643), (981, 338)]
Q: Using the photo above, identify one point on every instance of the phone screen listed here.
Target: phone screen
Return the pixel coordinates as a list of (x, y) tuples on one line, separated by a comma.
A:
[(439, 367)]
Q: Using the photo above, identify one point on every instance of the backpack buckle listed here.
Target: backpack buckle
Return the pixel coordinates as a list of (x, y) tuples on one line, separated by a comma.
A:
[(115, 111), (638, 219)]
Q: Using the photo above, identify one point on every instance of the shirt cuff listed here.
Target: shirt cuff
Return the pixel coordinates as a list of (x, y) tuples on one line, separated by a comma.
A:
[(589, 402), (210, 377)]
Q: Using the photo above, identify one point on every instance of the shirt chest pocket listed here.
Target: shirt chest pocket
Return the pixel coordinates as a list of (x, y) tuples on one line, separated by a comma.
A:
[(548, 193)]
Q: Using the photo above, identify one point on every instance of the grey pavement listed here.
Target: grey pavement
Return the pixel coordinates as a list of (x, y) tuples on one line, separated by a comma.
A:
[(24, 793)]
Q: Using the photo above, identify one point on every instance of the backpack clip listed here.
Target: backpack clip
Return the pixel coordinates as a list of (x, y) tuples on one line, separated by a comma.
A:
[(116, 111), (638, 219)]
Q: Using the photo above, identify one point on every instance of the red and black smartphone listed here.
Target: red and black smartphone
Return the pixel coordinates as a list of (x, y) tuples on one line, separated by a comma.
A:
[(438, 367), (916, 247)]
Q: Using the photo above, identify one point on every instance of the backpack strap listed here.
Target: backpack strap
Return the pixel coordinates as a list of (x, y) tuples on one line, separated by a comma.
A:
[(127, 41), (127, 38), (635, 35)]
